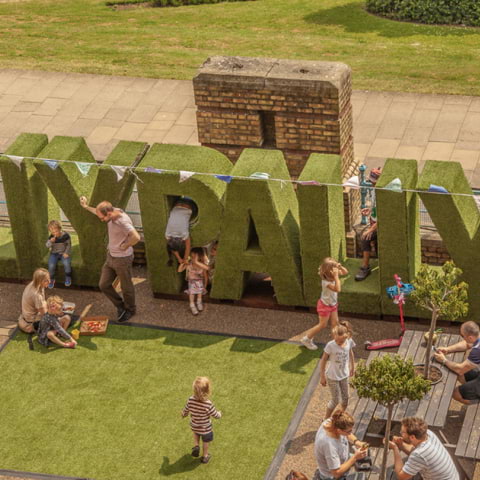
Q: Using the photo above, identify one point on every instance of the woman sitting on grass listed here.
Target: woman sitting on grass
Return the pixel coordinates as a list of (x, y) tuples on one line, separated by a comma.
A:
[(33, 301), (51, 326)]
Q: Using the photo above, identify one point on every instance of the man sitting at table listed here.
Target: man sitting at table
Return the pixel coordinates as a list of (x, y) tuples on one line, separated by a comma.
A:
[(426, 454), (469, 370)]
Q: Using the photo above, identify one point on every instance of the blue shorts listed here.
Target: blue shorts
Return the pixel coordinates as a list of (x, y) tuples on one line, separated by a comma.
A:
[(207, 437)]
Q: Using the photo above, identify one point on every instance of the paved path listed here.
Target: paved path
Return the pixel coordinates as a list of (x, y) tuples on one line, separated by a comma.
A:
[(106, 109)]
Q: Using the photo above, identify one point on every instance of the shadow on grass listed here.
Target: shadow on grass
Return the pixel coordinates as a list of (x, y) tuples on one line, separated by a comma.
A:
[(248, 345), (184, 464), (296, 364), (355, 19)]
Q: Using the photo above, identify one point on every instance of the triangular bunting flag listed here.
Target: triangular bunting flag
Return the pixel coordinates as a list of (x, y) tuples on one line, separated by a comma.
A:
[(153, 170), (16, 160), (224, 178), (309, 182), (282, 184), (395, 185), (120, 171), (352, 182), (53, 164), (437, 189), (83, 167), (184, 175)]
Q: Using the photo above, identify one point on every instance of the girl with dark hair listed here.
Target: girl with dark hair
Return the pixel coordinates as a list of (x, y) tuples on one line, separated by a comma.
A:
[(331, 447)]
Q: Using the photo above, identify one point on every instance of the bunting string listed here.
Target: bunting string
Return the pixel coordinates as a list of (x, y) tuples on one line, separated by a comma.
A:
[(353, 182)]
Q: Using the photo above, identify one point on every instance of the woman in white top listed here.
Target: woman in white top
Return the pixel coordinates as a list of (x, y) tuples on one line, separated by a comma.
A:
[(341, 365), (332, 447)]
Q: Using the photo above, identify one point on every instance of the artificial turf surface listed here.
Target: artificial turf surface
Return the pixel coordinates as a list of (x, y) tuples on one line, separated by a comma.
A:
[(110, 409)]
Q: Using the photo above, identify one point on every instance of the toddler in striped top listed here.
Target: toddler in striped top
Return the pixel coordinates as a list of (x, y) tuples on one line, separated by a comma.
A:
[(201, 409)]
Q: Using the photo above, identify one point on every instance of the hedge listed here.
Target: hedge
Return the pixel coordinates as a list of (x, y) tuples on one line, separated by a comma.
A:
[(260, 230), (322, 223), (398, 229), (451, 12), (157, 192), (457, 219), (26, 197), (67, 184)]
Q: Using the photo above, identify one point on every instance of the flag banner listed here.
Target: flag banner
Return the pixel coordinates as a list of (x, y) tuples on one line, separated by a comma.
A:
[(83, 167), (120, 171), (352, 182), (309, 182), (224, 178), (184, 175), (395, 185), (437, 189), (53, 164), (153, 170), (16, 160)]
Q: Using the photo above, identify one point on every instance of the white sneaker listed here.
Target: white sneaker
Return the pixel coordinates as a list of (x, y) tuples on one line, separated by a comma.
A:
[(193, 308), (200, 306), (309, 343)]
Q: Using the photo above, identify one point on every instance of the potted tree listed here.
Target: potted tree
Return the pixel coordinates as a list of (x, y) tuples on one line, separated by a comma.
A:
[(441, 292), (388, 380)]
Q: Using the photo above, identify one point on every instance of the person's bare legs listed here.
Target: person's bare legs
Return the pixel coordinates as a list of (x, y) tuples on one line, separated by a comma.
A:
[(196, 439), (205, 448), (65, 321), (322, 323), (333, 319), (51, 336), (366, 259)]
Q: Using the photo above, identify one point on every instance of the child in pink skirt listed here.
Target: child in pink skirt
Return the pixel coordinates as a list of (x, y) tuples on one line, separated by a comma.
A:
[(197, 276)]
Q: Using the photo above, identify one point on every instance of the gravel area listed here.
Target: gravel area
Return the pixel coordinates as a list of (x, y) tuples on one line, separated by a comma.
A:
[(239, 320)]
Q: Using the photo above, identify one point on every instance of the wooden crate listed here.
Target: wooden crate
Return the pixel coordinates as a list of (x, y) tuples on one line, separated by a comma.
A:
[(94, 325)]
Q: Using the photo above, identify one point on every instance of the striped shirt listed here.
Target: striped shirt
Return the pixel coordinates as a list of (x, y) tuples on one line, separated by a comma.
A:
[(431, 460), (200, 413)]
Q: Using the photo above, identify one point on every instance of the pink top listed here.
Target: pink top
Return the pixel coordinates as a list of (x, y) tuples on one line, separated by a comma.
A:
[(118, 231)]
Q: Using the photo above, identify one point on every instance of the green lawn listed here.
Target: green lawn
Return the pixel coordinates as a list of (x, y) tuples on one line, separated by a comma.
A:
[(87, 36), (111, 408)]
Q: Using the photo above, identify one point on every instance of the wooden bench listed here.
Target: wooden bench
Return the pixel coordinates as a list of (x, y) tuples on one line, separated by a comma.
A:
[(377, 457), (468, 445)]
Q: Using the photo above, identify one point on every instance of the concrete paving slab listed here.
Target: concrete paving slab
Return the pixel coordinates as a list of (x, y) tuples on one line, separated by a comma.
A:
[(409, 152), (383, 148), (438, 151), (178, 134), (130, 131), (468, 158)]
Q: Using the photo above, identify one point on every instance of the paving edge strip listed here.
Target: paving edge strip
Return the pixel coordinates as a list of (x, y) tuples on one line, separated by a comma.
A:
[(293, 425), (287, 436), (38, 476)]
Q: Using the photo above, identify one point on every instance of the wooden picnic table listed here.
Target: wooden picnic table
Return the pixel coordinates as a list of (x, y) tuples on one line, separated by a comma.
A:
[(433, 408)]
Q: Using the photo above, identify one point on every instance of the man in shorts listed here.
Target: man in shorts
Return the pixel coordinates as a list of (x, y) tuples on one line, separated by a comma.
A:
[(468, 371)]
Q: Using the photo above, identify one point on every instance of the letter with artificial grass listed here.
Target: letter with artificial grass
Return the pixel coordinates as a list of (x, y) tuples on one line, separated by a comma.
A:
[(457, 220), (259, 230), (398, 229), (322, 227), (67, 184), (26, 197), (156, 193)]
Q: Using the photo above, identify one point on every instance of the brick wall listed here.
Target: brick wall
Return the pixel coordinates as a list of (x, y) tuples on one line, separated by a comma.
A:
[(297, 107)]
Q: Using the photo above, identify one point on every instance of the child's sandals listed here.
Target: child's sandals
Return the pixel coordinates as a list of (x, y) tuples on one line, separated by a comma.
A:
[(206, 458), (70, 345), (194, 309), (196, 451)]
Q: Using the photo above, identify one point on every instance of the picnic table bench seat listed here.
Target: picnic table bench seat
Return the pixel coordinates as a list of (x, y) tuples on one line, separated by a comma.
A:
[(468, 445)]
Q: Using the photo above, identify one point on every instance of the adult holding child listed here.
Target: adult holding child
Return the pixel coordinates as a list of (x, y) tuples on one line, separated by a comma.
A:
[(332, 447), (34, 305), (122, 236)]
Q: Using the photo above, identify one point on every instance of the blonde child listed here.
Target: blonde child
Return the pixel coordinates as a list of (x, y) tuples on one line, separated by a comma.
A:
[(51, 325), (197, 276), (341, 365), (327, 306), (60, 245), (201, 409)]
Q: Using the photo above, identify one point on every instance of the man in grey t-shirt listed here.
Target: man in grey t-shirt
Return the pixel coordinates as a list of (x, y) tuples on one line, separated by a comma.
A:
[(426, 454), (122, 236)]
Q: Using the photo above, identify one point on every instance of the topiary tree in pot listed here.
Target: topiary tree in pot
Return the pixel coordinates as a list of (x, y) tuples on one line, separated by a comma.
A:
[(388, 380), (441, 292)]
